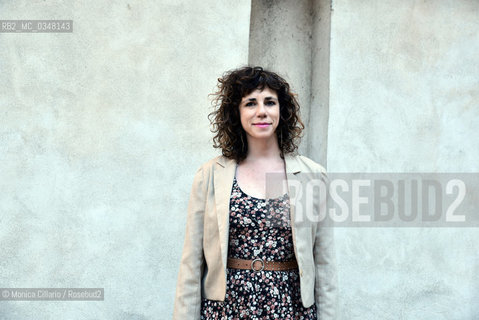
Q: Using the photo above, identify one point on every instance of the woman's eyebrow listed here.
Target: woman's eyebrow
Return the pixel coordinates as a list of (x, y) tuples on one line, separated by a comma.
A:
[(266, 98)]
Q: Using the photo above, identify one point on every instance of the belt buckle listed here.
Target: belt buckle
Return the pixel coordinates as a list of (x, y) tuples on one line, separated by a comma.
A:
[(262, 265)]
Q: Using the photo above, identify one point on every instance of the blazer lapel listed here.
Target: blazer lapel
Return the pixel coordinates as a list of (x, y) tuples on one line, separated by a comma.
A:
[(224, 175), (223, 184)]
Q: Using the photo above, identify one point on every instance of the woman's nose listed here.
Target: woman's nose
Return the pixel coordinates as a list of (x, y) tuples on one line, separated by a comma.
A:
[(261, 109)]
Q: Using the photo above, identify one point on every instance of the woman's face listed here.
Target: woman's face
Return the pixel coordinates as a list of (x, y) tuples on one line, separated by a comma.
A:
[(259, 113)]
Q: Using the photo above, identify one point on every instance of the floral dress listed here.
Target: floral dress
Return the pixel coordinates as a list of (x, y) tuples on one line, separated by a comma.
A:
[(259, 228)]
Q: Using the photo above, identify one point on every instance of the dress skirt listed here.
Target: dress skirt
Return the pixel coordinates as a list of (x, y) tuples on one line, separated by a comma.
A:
[(259, 228)]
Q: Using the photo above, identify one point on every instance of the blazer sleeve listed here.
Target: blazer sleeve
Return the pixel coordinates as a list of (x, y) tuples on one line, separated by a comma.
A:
[(325, 288), (188, 289)]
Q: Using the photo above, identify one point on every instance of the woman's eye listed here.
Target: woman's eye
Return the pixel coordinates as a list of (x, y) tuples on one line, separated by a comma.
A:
[(268, 103)]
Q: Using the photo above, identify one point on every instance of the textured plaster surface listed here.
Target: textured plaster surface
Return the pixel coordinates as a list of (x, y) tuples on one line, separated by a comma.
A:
[(404, 98), (280, 40), (292, 38)]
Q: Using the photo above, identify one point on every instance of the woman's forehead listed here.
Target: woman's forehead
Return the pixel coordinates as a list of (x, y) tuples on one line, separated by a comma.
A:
[(265, 92)]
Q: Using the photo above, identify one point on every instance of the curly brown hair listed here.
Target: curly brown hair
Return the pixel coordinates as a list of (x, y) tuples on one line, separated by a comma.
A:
[(225, 119)]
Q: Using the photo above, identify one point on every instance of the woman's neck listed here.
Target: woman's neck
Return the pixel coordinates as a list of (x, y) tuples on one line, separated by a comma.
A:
[(263, 150)]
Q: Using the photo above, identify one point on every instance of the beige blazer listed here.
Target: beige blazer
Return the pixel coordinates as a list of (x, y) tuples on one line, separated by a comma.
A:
[(202, 272)]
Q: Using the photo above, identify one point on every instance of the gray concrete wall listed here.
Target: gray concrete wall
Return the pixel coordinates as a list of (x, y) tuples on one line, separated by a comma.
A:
[(101, 131), (318, 117), (292, 38), (280, 40), (404, 98)]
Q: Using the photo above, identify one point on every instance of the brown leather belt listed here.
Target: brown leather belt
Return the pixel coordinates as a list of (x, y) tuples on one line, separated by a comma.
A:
[(259, 264)]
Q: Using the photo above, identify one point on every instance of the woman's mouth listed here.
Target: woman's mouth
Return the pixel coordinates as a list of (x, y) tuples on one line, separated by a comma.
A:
[(262, 125)]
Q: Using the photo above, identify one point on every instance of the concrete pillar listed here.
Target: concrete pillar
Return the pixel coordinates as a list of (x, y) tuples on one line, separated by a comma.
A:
[(280, 40)]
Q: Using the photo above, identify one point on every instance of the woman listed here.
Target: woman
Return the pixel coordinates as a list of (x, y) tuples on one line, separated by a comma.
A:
[(244, 254)]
